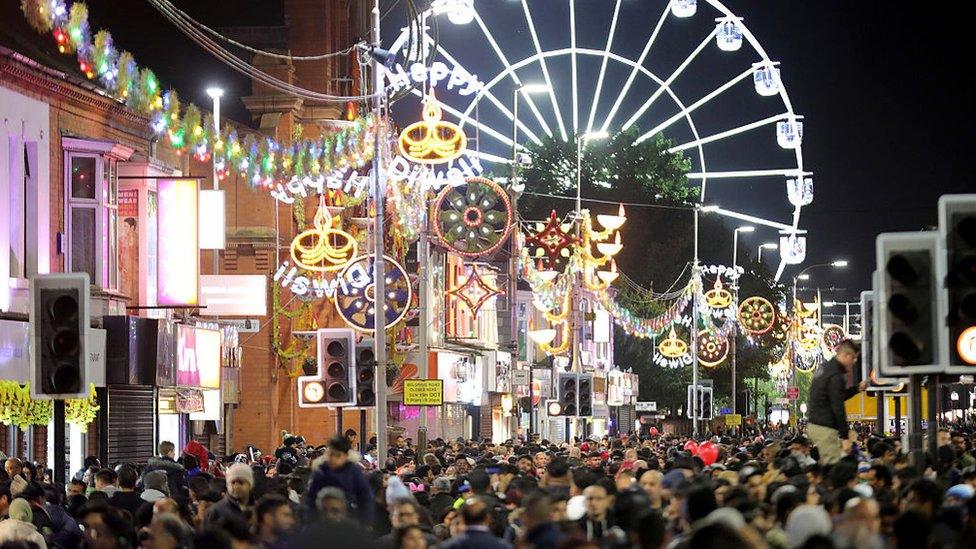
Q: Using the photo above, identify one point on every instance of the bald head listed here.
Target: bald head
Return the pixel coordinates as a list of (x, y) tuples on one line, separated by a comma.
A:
[(474, 512)]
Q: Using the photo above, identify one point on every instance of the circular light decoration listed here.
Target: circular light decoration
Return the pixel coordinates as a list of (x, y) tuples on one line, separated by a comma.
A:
[(672, 346), (323, 248), (473, 219), (806, 364), (355, 297), (832, 336), (966, 345), (554, 408), (432, 140), (757, 315), (718, 297), (712, 349), (550, 240)]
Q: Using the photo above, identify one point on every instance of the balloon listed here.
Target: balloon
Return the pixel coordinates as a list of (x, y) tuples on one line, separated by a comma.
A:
[(708, 452), (692, 447)]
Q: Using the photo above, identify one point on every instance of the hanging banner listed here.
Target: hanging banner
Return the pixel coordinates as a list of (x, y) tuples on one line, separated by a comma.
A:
[(178, 261)]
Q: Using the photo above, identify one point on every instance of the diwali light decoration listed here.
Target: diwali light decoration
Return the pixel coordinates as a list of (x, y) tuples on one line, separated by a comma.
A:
[(432, 140), (718, 297), (832, 336), (325, 247), (672, 346), (261, 161), (473, 219), (593, 278), (712, 349), (474, 291), (356, 298), (551, 241), (757, 315)]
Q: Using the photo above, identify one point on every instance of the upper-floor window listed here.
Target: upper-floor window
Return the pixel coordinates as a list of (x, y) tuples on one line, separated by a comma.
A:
[(91, 209)]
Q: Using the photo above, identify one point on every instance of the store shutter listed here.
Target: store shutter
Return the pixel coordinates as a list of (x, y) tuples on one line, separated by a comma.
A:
[(131, 424)]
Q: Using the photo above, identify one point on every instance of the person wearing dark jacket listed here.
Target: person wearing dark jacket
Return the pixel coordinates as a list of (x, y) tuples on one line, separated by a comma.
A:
[(475, 513), (240, 484), (341, 473), (127, 499), (441, 499), (829, 390), (175, 473)]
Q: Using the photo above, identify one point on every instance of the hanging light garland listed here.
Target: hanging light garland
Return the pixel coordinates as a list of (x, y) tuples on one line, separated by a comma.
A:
[(263, 162)]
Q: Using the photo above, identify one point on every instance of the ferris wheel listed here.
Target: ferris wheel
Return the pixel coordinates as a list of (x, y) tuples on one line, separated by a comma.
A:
[(690, 70)]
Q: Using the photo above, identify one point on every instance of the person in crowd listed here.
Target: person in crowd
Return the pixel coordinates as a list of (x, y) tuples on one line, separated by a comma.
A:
[(475, 516), (240, 483), (155, 486), (165, 461), (126, 498), (826, 414), (19, 526), (338, 471), (106, 481), (273, 521)]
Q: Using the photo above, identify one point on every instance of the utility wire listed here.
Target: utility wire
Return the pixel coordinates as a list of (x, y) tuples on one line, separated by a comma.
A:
[(246, 68), (189, 19)]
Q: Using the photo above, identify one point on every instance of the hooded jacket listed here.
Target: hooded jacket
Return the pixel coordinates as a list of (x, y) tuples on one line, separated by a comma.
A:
[(175, 474), (350, 479), (827, 395), (198, 451)]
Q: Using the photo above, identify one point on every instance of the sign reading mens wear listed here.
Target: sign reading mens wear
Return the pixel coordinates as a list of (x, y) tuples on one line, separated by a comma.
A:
[(178, 244), (234, 295), (423, 392)]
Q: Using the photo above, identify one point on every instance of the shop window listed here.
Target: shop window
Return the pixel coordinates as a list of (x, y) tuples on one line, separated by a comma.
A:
[(91, 188)]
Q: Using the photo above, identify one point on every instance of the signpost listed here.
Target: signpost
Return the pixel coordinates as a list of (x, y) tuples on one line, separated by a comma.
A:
[(520, 377), (793, 393), (646, 406), (733, 420), (423, 392)]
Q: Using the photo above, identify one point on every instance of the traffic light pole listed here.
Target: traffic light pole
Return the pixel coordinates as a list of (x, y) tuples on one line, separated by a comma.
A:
[(60, 454), (915, 424), (933, 423)]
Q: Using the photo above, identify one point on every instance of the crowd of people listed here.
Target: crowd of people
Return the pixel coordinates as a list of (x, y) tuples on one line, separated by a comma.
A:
[(746, 489)]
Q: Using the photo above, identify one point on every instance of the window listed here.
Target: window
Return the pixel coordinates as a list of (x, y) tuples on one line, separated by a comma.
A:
[(91, 217)]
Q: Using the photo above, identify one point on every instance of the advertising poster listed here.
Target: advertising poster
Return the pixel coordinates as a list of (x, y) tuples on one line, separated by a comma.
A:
[(129, 243)]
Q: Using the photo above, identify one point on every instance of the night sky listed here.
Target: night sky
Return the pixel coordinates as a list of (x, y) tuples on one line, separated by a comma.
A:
[(886, 105)]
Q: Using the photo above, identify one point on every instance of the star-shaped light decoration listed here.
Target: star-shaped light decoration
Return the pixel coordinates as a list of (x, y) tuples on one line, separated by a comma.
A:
[(551, 241), (473, 291)]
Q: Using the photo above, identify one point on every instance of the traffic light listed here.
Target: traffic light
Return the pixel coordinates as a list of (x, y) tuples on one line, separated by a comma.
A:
[(957, 225), (566, 391), (59, 325), (585, 394), (909, 320), (705, 403), (868, 350), (337, 365), (365, 374)]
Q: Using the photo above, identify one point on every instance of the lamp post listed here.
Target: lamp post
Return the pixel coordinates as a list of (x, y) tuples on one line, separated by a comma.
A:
[(735, 297), (767, 246), (512, 260)]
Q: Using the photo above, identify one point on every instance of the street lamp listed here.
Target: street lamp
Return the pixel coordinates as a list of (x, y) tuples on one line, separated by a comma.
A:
[(735, 295), (767, 246)]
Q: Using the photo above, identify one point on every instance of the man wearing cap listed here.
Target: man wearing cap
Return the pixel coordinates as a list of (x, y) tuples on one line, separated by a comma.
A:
[(240, 482), (828, 420)]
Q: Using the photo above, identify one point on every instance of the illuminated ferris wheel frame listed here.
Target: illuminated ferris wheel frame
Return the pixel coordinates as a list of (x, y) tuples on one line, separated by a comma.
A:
[(788, 123)]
